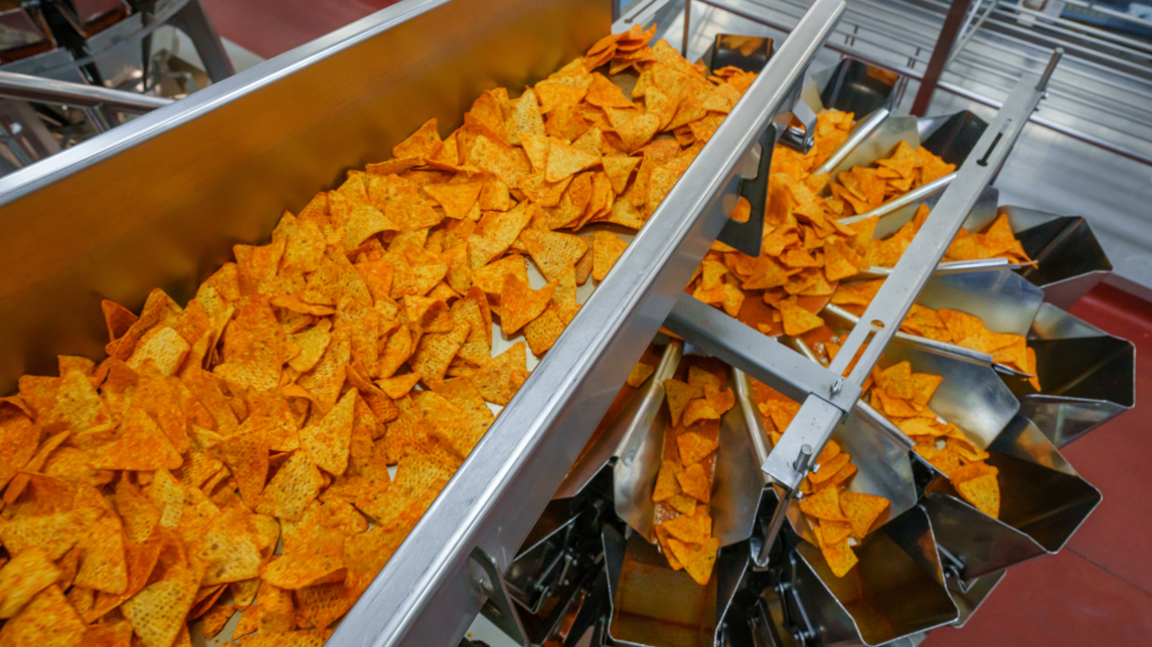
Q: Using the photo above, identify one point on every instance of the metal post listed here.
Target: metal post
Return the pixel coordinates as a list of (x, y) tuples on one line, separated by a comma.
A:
[(193, 20), (687, 28), (952, 23)]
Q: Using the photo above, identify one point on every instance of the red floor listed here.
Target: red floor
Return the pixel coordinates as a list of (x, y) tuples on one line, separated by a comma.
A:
[(1098, 591), (271, 27)]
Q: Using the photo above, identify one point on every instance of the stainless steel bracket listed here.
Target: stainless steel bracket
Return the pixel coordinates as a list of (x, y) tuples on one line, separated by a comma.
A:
[(498, 608)]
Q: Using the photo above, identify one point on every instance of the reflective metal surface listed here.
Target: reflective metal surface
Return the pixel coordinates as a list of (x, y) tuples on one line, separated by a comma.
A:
[(1087, 376), (862, 606), (1040, 506), (34, 88)]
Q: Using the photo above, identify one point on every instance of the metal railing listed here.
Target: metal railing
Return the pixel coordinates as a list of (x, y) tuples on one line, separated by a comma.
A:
[(1101, 95)]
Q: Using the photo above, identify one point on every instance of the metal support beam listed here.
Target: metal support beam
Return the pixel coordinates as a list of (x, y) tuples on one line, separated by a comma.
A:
[(953, 21)]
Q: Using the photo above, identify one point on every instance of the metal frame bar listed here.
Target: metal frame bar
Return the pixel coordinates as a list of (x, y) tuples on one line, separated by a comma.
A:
[(495, 496), (770, 16), (954, 22), (39, 89)]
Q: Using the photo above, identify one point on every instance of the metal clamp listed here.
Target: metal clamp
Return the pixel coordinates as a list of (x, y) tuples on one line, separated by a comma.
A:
[(748, 236), (498, 607)]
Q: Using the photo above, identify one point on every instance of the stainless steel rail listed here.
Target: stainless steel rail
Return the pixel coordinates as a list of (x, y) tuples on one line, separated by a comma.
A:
[(899, 36), (497, 494), (826, 403), (79, 95)]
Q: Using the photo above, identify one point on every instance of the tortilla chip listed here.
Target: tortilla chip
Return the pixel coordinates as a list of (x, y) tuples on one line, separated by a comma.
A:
[(500, 378), (157, 612), (294, 486), (519, 304), (47, 620), (697, 559), (140, 446), (553, 252), (327, 441), (607, 248), (640, 374), (797, 320), (666, 481), (435, 352), (983, 492), (862, 510), (694, 482), (662, 538), (25, 575), (694, 447), (824, 504), (679, 394), (103, 567), (565, 160)]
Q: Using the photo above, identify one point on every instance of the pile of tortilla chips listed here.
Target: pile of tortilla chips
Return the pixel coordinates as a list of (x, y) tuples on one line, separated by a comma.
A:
[(949, 326), (997, 242), (902, 396), (237, 453), (806, 251), (839, 519), (861, 190), (684, 483)]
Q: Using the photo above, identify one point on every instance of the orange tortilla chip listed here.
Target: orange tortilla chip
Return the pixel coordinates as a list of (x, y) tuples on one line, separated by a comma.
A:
[(662, 538), (25, 575), (295, 485), (47, 620), (141, 446), (103, 567), (565, 160), (679, 394), (500, 378), (694, 482), (607, 248), (425, 142), (520, 304), (697, 410), (862, 511), (457, 200), (839, 556), (328, 439), (683, 504), (824, 505), (553, 252), (694, 529), (640, 374), (694, 447), (698, 560), (667, 481), (797, 320), (983, 492)]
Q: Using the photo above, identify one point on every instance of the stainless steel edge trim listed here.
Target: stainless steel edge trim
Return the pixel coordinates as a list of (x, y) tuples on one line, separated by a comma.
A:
[(497, 493), (103, 146), (35, 88)]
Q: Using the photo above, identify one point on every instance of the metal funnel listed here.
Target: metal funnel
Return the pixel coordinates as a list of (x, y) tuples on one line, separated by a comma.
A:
[(655, 606), (624, 434), (897, 589), (1071, 261), (971, 395), (854, 86), (1087, 376), (1043, 502), (951, 137), (1002, 299)]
